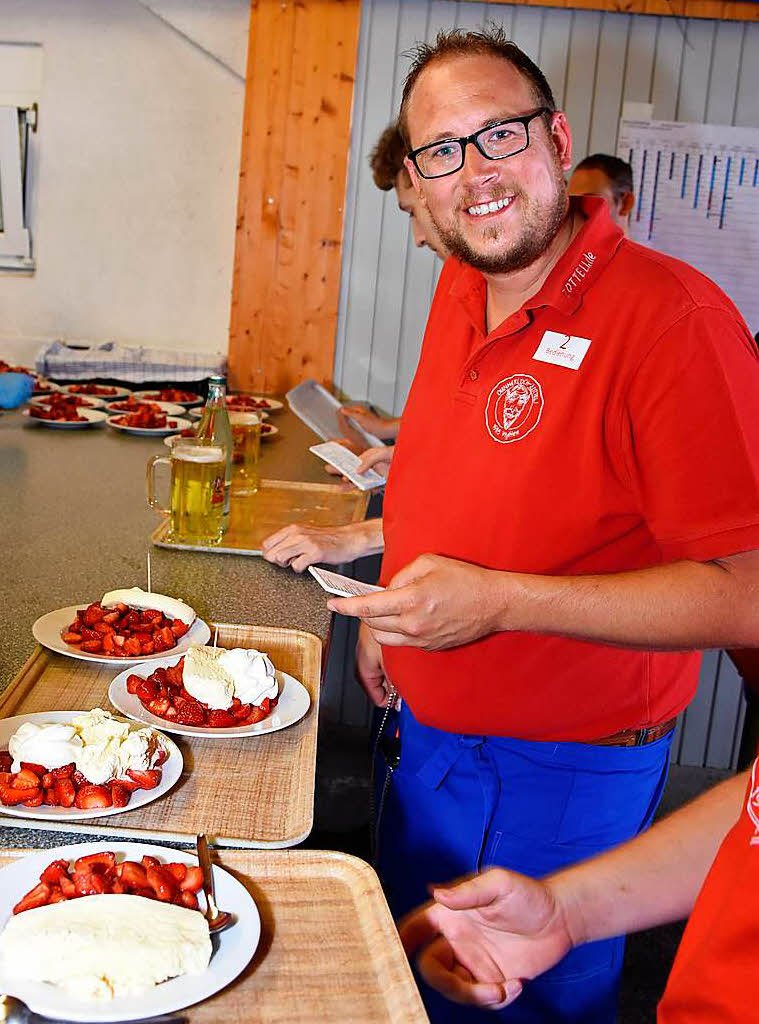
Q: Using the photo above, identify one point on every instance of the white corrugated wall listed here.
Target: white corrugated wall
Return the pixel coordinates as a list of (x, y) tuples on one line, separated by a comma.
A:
[(689, 69)]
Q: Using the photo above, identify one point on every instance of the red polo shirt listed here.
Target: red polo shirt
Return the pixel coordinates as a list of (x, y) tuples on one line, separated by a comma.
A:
[(612, 423), (714, 977)]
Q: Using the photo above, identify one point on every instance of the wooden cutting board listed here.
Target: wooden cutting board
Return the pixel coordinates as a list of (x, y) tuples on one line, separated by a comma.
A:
[(255, 791)]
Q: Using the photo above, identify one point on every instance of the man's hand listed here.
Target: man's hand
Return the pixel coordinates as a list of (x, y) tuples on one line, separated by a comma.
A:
[(300, 546), (380, 426), (370, 672), (433, 603), (378, 459), (478, 938)]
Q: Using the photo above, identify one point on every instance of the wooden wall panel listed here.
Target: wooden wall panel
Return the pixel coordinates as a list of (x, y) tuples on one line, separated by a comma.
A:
[(296, 138), (720, 10)]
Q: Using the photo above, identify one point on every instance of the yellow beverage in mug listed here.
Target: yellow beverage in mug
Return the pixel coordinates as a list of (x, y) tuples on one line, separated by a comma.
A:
[(246, 437), (196, 491)]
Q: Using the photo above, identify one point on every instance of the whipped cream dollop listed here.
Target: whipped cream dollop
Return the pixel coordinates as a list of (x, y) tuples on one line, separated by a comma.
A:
[(134, 597), (102, 747), (216, 676)]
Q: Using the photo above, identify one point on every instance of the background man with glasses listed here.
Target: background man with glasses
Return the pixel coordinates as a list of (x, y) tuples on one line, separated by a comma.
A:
[(566, 519)]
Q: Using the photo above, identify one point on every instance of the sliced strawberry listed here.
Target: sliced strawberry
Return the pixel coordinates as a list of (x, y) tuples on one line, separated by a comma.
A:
[(92, 646), (148, 779), (65, 792), (221, 720), (178, 871), (71, 638), (6, 778), (5, 761), (111, 617), (158, 643), (90, 634), (53, 872), (26, 778), (51, 800), (179, 628), (94, 614), (47, 780), (163, 883), (79, 779), (150, 862), (158, 706), (109, 646), (89, 883), (131, 620), (64, 772), (34, 801), (90, 798), (67, 887), (56, 895), (116, 885), (103, 629), (190, 713), (171, 712), (147, 690), (133, 681), (118, 641), (95, 862), (29, 766), (189, 900), (148, 647), (168, 637), (120, 795), (11, 796), (160, 677), (242, 712), (133, 875), (132, 647), (36, 897), (192, 881), (129, 784)]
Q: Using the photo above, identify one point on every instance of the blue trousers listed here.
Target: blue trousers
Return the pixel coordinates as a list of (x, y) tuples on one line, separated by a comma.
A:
[(457, 804)]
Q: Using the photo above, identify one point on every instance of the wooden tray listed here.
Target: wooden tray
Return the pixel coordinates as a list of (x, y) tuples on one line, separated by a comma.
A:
[(276, 504), (329, 951), (257, 791)]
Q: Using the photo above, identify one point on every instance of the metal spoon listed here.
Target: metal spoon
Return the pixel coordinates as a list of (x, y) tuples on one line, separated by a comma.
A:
[(217, 919)]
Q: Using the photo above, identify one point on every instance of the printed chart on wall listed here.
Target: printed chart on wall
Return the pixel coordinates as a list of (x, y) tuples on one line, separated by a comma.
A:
[(697, 198)]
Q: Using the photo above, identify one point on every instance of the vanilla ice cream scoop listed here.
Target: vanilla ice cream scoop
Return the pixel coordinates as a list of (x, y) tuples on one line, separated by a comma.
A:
[(51, 745), (134, 597), (206, 680)]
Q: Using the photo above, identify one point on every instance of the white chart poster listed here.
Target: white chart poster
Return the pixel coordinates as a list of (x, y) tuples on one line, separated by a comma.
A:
[(697, 198)]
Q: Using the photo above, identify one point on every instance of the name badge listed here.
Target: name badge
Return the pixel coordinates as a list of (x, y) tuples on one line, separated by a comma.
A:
[(562, 349)]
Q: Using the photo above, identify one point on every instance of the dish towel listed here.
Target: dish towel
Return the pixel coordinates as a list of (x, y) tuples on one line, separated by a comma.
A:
[(119, 362)]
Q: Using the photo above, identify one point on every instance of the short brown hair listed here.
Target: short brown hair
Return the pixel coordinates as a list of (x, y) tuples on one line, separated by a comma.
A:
[(386, 159), (491, 42), (618, 171)]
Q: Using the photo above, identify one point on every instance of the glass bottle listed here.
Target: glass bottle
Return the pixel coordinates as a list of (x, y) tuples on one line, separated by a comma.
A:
[(214, 427)]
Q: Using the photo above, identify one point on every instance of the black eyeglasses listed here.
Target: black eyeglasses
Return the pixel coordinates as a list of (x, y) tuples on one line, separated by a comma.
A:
[(495, 142)]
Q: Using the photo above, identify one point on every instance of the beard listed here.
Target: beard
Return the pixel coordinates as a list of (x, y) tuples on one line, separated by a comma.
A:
[(540, 225)]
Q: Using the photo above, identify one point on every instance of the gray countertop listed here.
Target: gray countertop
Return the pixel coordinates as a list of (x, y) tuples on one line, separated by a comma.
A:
[(75, 523)]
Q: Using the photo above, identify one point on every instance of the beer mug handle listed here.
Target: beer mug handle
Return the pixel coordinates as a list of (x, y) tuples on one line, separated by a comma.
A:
[(150, 480)]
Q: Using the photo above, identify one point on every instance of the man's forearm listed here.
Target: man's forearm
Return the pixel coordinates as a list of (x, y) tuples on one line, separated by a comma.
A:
[(668, 607), (364, 538), (653, 878)]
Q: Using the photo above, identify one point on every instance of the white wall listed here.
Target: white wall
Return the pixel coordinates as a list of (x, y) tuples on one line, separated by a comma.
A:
[(135, 188)]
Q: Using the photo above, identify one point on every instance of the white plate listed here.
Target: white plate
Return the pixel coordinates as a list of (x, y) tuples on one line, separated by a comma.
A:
[(44, 401), (265, 435), (149, 396), (44, 387), (167, 407), (236, 945), (171, 769), (48, 628), (92, 416), (272, 404), (117, 392), (178, 421), (197, 414), (294, 702)]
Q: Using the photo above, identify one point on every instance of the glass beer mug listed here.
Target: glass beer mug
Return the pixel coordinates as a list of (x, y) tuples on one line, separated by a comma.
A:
[(196, 491), (246, 438)]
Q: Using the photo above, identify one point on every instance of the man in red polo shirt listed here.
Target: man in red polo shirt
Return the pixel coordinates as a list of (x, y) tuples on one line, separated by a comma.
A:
[(572, 511), (478, 939)]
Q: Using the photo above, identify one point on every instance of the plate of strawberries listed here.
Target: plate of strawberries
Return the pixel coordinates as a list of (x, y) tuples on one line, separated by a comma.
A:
[(89, 764), (175, 395), (63, 416), (148, 422), (107, 391)]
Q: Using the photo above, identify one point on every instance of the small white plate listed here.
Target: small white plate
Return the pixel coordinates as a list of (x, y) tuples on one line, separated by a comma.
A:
[(152, 396), (235, 950), (48, 628), (171, 773), (294, 701), (167, 407), (92, 416), (44, 387), (267, 432), (178, 421), (113, 392), (272, 404), (92, 403)]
